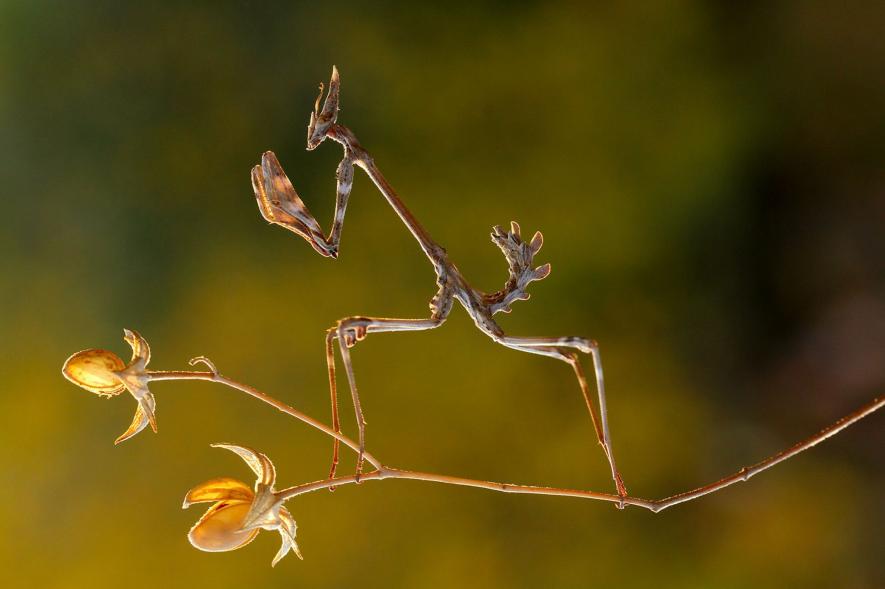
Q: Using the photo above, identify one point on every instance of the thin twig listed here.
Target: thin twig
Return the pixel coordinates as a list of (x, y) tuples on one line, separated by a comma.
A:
[(395, 473), (280, 204), (278, 405), (384, 472), (749, 471), (651, 504)]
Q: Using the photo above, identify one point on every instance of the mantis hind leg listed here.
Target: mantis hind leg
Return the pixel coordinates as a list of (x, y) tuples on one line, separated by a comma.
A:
[(558, 347)]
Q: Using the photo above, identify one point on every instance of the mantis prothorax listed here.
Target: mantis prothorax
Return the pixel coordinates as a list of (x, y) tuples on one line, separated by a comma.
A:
[(280, 204)]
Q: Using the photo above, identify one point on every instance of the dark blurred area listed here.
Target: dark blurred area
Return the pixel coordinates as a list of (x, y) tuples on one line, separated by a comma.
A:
[(709, 179)]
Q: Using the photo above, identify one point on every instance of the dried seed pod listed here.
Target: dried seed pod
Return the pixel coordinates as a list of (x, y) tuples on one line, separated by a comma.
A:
[(239, 513), (104, 373), (96, 371)]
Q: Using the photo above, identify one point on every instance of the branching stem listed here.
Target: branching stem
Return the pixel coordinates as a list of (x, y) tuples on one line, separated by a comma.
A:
[(104, 373), (382, 472)]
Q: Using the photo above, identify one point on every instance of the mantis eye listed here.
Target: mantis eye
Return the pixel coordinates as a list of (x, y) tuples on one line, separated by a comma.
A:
[(95, 370)]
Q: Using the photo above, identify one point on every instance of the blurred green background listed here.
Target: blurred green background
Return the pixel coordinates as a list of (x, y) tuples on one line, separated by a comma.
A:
[(710, 184)]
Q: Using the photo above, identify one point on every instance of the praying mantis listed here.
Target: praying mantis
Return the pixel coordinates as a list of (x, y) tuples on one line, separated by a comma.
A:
[(280, 204), (239, 511)]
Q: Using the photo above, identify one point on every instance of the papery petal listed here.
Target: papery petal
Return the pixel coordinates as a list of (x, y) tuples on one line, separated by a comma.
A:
[(140, 348), (144, 414), (220, 489), (287, 529), (258, 462), (94, 370), (219, 528)]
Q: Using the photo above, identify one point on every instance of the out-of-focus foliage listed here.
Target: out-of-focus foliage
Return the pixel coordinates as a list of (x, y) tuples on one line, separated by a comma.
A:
[(710, 185)]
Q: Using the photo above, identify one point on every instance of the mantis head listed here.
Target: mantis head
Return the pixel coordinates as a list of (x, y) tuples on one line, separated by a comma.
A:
[(322, 120)]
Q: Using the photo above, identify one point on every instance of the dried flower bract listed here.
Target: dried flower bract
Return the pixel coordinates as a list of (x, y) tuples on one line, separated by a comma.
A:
[(239, 512), (104, 373)]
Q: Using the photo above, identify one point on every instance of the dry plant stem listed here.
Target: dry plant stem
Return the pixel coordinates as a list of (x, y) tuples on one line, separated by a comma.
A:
[(747, 472), (650, 504), (382, 472), (395, 473), (279, 405)]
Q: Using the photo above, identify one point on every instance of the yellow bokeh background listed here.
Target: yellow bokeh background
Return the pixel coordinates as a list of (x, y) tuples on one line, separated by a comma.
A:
[(709, 182)]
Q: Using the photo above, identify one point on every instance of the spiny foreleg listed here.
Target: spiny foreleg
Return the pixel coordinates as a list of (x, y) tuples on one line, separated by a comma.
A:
[(279, 203)]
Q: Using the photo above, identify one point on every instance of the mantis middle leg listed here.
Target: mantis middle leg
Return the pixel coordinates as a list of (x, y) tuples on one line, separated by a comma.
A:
[(348, 332)]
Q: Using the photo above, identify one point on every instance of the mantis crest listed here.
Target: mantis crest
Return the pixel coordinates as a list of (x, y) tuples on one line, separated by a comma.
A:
[(281, 205)]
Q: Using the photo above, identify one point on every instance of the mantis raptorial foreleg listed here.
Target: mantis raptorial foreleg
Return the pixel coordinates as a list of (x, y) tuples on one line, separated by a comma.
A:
[(280, 204), (344, 182)]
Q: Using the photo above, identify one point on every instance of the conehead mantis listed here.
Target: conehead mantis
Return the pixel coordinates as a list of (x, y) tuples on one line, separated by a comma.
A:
[(239, 511), (280, 204)]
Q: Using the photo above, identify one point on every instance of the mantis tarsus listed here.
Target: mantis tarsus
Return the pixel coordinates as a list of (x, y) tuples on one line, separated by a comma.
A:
[(280, 204)]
